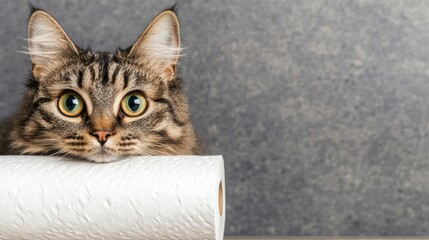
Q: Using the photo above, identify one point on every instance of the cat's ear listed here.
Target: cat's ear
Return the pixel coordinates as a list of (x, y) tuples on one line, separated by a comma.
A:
[(48, 44), (159, 45)]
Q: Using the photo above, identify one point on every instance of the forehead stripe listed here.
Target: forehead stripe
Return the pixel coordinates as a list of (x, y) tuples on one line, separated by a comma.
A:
[(92, 73), (115, 74), (126, 76), (105, 64), (66, 76), (80, 78)]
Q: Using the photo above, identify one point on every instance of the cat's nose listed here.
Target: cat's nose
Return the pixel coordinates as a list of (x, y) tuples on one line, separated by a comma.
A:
[(102, 136)]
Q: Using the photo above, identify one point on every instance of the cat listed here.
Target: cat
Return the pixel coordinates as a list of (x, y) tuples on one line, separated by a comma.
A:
[(104, 106)]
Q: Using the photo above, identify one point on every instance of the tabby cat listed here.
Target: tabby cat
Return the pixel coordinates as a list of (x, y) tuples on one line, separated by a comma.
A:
[(103, 106)]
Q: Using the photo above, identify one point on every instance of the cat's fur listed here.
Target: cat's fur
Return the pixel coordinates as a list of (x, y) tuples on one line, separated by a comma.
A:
[(102, 79)]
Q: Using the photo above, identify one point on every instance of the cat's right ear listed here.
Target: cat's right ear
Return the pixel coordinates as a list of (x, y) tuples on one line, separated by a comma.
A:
[(48, 44)]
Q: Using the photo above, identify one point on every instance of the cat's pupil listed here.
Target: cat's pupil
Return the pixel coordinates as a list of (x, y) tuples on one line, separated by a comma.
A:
[(134, 103), (71, 103)]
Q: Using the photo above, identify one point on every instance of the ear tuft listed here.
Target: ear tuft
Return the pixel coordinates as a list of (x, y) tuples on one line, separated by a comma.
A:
[(33, 8), (159, 45), (175, 8), (47, 41)]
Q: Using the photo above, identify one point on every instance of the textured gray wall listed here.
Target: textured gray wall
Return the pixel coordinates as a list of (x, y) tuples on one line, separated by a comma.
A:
[(320, 108)]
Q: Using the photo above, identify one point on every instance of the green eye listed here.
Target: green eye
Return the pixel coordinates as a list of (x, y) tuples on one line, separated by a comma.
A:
[(134, 104), (70, 104)]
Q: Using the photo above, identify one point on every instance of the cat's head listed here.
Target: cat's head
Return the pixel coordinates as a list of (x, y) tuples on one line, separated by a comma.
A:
[(102, 106)]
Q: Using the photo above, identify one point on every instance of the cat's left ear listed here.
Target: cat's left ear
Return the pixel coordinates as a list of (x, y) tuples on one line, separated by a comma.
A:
[(159, 45)]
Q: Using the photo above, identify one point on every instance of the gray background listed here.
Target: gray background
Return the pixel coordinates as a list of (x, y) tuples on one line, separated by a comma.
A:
[(320, 108)]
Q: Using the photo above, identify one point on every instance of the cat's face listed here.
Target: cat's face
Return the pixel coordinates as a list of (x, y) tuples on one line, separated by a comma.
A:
[(104, 106)]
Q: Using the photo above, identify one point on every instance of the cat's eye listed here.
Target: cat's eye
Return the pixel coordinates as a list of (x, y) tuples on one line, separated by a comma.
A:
[(134, 104), (70, 104)]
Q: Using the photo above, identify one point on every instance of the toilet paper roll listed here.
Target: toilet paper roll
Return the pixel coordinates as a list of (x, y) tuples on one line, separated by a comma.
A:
[(180, 197)]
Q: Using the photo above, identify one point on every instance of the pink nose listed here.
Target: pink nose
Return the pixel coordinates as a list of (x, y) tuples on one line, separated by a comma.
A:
[(102, 136)]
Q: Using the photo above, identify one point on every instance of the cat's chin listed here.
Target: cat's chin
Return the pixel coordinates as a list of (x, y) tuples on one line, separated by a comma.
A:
[(102, 158)]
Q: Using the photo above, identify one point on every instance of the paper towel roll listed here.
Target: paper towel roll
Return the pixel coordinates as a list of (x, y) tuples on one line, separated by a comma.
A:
[(180, 197)]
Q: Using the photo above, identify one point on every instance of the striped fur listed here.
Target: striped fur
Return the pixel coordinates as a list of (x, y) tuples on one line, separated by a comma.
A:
[(102, 79)]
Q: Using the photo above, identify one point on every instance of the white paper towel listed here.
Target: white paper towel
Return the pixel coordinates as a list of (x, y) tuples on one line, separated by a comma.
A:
[(174, 197)]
